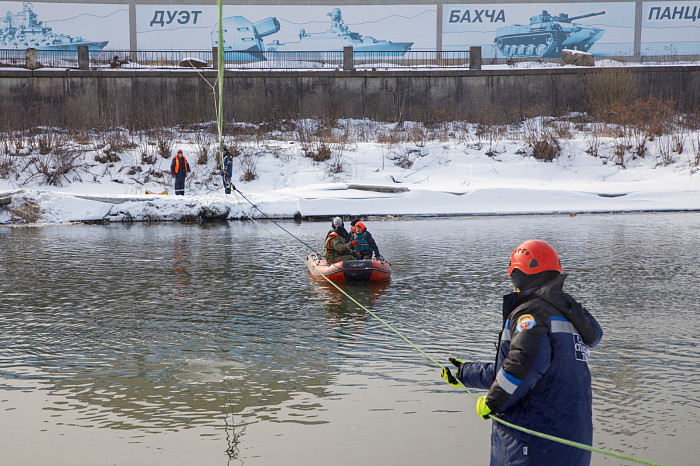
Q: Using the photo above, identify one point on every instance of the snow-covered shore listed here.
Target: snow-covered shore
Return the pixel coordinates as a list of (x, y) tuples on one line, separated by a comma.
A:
[(455, 172)]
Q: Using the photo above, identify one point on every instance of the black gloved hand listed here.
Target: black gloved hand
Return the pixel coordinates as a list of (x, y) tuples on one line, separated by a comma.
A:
[(448, 377), (456, 362)]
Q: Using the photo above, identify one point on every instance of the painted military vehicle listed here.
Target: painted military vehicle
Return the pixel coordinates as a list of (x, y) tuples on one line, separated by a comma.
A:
[(243, 40), (338, 37), (24, 31), (547, 36)]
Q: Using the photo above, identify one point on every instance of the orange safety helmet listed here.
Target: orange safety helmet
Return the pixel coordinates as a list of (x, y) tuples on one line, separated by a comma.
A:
[(534, 256), (361, 226)]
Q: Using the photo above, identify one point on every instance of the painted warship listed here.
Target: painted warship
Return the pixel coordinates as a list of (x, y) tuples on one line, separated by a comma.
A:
[(25, 31), (243, 40), (337, 37), (547, 36)]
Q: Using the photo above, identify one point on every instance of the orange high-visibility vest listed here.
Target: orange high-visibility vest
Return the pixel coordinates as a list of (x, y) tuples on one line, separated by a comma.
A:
[(177, 163), (327, 246)]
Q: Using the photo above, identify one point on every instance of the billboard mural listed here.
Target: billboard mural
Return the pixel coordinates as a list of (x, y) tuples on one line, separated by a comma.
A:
[(251, 29), (670, 28), (537, 30), (63, 27)]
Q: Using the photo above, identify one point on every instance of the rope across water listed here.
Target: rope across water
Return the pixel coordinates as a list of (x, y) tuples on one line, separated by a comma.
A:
[(403, 337)]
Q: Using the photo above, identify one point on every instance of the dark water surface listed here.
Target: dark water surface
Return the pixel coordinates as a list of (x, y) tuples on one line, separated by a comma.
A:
[(188, 344)]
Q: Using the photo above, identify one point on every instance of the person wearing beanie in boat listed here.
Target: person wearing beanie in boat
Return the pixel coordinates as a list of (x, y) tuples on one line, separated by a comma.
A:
[(363, 242), (336, 249), (540, 380), (338, 227), (179, 168)]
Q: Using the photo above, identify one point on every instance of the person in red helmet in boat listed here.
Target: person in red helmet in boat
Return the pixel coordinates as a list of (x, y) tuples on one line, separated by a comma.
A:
[(540, 380), (336, 249), (363, 242)]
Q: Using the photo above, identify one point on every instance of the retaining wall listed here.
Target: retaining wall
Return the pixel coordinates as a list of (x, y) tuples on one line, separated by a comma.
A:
[(85, 99)]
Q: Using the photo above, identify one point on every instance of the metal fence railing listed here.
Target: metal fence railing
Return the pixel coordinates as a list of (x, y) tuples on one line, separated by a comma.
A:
[(238, 60)]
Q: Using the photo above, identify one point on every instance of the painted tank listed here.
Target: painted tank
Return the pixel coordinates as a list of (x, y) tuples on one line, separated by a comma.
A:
[(243, 40), (24, 31), (337, 37), (547, 36)]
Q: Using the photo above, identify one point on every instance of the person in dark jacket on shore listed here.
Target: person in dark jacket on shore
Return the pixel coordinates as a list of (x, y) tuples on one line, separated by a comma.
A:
[(338, 227), (363, 242), (179, 168), (227, 170), (540, 380)]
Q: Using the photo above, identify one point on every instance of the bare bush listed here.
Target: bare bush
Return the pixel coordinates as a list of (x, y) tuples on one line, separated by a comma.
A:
[(664, 145), (609, 89), (695, 152), (337, 164), (164, 142), (48, 139), (107, 156), (490, 132), (418, 135), (392, 137), (318, 152), (55, 167), (249, 166), (593, 140), (116, 140), (404, 156), (7, 166), (540, 138), (678, 137), (148, 158), (203, 140), (148, 149)]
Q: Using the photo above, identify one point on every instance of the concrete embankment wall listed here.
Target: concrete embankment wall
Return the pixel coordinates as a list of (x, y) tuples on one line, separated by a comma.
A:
[(84, 99)]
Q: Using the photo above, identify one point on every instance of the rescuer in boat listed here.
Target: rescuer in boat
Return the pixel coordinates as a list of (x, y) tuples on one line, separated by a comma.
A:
[(540, 380), (179, 168), (338, 227), (336, 249), (363, 242)]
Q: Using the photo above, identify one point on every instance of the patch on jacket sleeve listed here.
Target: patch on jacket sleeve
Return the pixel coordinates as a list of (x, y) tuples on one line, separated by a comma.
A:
[(581, 349), (525, 322)]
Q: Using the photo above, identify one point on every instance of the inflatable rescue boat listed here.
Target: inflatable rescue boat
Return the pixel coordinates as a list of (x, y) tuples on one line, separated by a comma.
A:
[(365, 270)]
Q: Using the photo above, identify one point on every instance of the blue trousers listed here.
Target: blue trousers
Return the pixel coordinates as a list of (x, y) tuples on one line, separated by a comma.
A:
[(179, 185)]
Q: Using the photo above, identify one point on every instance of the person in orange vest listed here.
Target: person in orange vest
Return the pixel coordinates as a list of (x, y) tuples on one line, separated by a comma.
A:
[(179, 168), (336, 250)]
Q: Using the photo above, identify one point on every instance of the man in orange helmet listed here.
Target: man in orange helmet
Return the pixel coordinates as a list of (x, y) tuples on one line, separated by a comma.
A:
[(540, 380), (179, 168), (362, 241)]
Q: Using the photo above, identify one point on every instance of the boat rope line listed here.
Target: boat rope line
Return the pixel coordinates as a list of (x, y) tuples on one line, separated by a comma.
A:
[(553, 438), (270, 219)]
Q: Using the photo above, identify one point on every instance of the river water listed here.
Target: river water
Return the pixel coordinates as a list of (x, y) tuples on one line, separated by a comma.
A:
[(209, 344)]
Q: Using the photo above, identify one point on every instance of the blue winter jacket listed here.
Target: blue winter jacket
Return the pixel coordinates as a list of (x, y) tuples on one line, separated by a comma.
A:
[(540, 380), (366, 244)]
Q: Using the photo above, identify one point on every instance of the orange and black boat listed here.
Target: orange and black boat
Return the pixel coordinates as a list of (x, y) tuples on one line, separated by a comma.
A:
[(365, 270)]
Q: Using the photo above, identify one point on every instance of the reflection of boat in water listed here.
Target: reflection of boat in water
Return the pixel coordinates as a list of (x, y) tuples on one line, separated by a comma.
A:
[(546, 36), (341, 306), (367, 270), (25, 31), (337, 37), (243, 39)]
